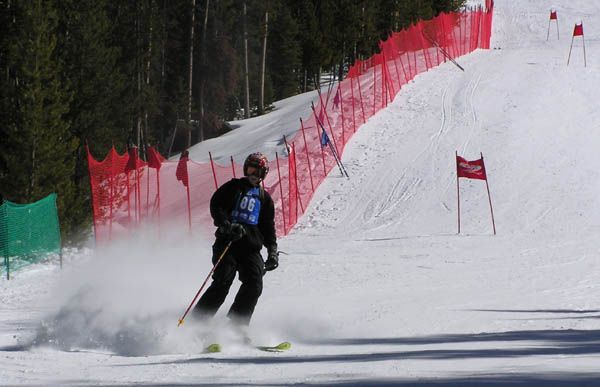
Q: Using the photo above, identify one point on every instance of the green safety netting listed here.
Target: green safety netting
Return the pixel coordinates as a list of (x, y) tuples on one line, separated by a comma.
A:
[(28, 232)]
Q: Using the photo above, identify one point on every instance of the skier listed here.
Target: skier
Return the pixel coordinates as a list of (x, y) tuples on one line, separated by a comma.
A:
[(244, 214)]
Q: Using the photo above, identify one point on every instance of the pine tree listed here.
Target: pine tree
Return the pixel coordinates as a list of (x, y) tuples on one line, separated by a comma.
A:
[(284, 63), (170, 67), (439, 6), (311, 40), (349, 18), (41, 157), (7, 86), (90, 63), (220, 71), (128, 35)]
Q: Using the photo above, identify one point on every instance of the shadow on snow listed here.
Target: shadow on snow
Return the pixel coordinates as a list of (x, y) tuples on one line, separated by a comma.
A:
[(539, 343), (550, 380)]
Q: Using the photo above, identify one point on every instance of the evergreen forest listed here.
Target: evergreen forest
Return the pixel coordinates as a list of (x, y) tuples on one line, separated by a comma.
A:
[(169, 73)]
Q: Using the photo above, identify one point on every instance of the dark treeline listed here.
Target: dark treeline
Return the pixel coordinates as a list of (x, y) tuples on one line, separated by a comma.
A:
[(116, 72)]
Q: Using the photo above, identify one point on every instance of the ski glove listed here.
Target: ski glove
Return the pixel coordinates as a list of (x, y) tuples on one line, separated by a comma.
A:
[(272, 259), (231, 231), (237, 231)]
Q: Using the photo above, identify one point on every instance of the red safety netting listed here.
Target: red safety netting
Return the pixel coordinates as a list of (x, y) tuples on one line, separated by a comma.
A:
[(128, 192)]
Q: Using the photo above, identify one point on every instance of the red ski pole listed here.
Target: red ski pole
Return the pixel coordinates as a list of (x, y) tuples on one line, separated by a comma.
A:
[(204, 283)]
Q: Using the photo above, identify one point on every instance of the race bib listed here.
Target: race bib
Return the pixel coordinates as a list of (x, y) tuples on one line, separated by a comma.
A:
[(248, 207)]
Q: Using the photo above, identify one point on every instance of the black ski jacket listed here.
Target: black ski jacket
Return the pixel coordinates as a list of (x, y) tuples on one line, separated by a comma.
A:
[(222, 204)]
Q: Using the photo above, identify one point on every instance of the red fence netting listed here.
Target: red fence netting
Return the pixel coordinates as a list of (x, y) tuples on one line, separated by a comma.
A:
[(128, 192)]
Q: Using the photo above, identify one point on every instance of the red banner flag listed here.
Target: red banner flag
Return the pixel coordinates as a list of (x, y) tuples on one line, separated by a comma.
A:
[(182, 172), (336, 99), (155, 159), (578, 30), (132, 161), (470, 169), (553, 15), (376, 59), (353, 72)]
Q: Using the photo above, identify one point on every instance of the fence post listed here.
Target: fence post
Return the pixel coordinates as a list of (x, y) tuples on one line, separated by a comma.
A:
[(281, 193), (111, 197), (353, 110), (307, 157), (232, 166), (397, 71), (212, 165), (403, 69), (374, 88), (94, 209), (342, 111), (383, 81), (362, 107), (296, 178)]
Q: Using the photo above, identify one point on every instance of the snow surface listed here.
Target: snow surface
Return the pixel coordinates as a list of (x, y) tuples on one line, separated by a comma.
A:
[(377, 288)]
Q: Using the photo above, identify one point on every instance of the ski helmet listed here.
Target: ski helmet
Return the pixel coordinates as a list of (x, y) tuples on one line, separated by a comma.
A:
[(258, 161)]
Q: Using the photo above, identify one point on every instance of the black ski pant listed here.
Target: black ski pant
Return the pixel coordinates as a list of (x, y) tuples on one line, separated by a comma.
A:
[(251, 270)]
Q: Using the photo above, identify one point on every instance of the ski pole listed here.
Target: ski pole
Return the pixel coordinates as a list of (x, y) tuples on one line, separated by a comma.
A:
[(446, 54), (204, 283)]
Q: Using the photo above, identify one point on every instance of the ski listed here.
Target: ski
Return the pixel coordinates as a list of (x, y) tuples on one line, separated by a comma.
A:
[(281, 347), (213, 348), (284, 346)]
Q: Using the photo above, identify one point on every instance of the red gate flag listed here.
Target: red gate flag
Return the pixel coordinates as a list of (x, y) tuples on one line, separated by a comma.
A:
[(553, 15), (182, 172), (155, 159), (577, 31), (470, 169)]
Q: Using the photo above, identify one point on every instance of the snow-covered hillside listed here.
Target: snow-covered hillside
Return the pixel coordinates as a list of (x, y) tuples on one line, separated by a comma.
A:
[(376, 288)]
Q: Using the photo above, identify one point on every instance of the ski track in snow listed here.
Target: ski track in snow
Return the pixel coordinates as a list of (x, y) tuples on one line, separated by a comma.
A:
[(376, 288)]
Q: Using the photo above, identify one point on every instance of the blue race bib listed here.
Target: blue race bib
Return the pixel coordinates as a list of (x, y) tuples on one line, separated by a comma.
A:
[(248, 208)]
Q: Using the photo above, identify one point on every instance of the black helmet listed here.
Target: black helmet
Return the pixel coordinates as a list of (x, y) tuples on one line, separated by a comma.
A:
[(258, 161)]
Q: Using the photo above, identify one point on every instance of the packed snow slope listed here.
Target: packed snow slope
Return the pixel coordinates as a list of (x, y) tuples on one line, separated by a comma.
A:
[(376, 288)]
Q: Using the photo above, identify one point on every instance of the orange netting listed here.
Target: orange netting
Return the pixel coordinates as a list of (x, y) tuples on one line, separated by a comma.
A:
[(128, 192)]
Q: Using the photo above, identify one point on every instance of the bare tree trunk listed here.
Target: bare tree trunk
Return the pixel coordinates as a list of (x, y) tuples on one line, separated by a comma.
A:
[(163, 49), (163, 65), (318, 81), (261, 97), (246, 71), (139, 66), (305, 80), (173, 137), (203, 80), (190, 78), (148, 61), (7, 69), (33, 176)]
